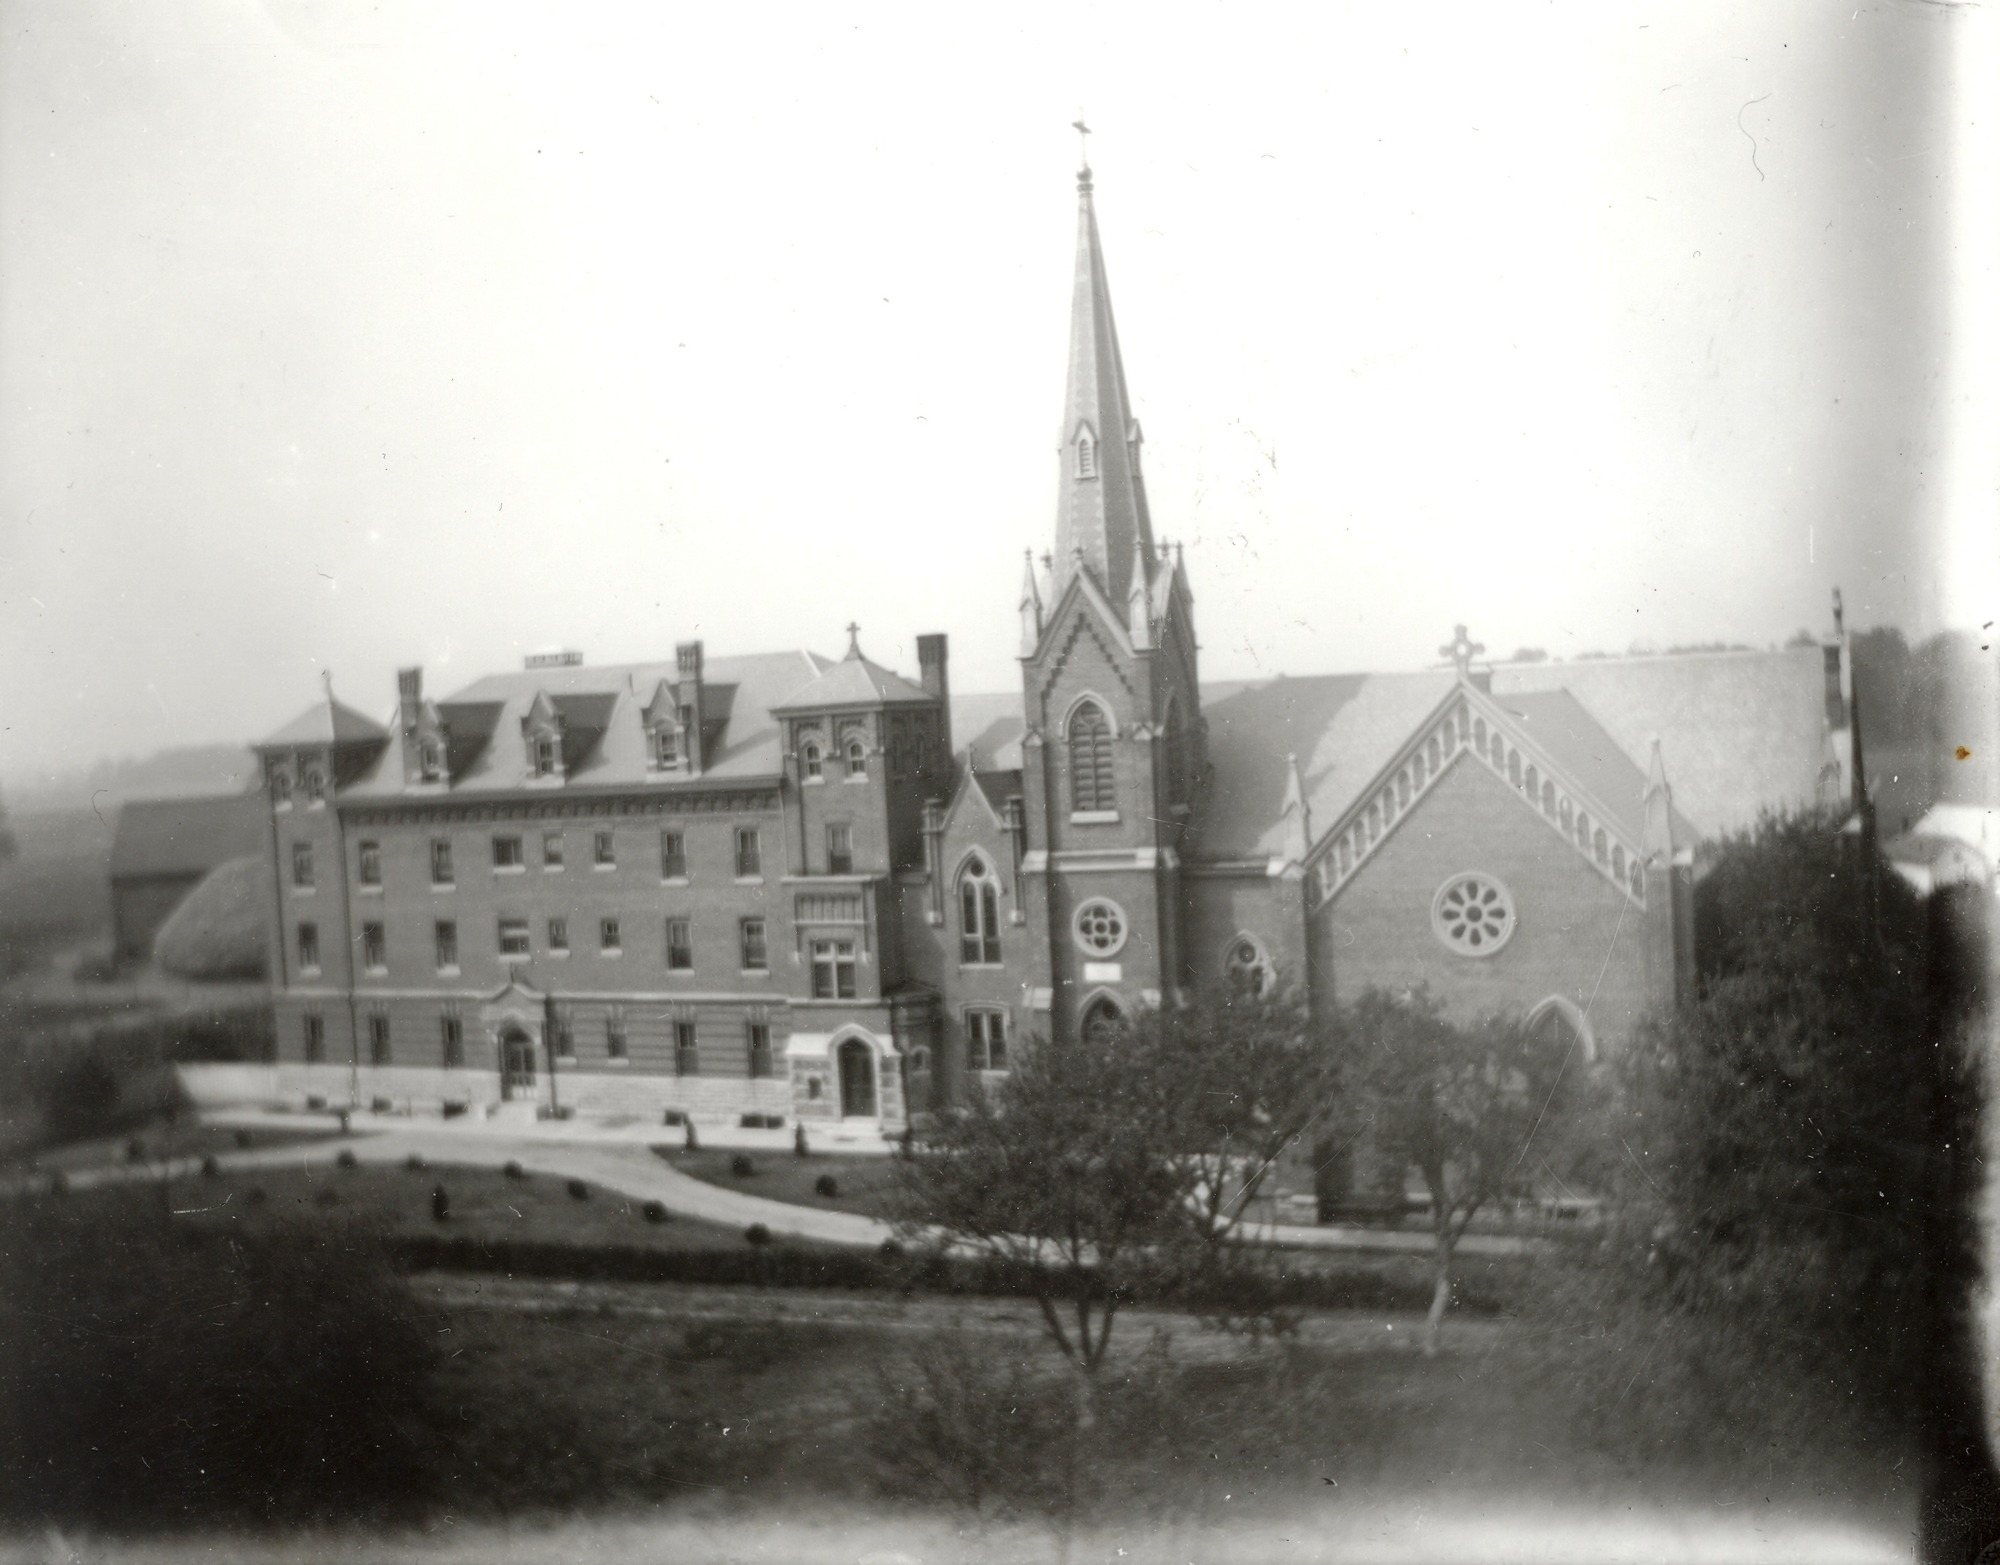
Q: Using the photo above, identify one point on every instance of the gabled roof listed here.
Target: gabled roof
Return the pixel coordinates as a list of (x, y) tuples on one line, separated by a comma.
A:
[(991, 728), (326, 721), (186, 836)]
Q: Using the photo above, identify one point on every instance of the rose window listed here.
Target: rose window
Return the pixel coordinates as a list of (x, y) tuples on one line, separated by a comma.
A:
[(1100, 927), (1473, 915)]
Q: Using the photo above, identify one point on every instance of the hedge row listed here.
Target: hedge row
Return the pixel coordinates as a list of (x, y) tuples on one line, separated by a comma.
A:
[(1358, 1286)]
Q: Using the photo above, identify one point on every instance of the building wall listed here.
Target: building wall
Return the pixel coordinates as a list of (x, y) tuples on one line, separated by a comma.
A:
[(1576, 934), (1269, 908)]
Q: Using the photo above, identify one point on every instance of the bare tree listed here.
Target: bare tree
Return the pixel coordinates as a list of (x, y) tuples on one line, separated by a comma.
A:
[(1461, 1105)]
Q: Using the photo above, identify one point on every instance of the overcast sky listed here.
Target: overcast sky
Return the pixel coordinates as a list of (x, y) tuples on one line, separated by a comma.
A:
[(361, 336)]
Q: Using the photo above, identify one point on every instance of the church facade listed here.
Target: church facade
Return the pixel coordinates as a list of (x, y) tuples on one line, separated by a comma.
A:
[(780, 888)]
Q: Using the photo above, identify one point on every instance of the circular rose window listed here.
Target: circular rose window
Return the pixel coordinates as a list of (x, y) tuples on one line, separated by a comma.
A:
[(1473, 915), (1100, 927)]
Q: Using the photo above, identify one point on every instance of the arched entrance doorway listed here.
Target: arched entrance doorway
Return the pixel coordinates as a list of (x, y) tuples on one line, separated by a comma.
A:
[(1101, 1018), (857, 1080), (1564, 1026), (517, 1063)]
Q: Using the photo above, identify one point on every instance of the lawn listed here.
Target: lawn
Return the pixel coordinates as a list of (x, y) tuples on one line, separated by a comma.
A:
[(862, 1184), (184, 1137)]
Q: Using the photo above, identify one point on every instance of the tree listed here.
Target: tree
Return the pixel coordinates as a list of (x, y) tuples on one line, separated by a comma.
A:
[(1124, 1159), (1460, 1105)]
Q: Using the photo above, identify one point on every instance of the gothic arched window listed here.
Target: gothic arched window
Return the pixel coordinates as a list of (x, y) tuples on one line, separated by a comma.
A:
[(809, 759), (1092, 781), (1086, 455), (857, 760), (1248, 968), (978, 915)]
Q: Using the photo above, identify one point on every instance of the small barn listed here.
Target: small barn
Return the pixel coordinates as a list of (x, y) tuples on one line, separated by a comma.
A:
[(161, 851)]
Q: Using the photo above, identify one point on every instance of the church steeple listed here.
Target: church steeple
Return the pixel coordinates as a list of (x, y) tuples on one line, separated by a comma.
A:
[(1101, 515)]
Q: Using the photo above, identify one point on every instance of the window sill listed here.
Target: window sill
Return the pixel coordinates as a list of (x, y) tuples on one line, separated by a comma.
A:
[(749, 880), (444, 885), (510, 869), (552, 869), (556, 954), (812, 782), (982, 967), (753, 972), (680, 972), (310, 972), (369, 890), (862, 779), (673, 880), (1093, 817), (447, 972), (566, 1059), (601, 868), (616, 1060), (374, 972), (518, 956), (611, 955), (304, 891)]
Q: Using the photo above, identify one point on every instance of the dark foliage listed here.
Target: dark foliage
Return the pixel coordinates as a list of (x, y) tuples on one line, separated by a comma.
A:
[(513, 1170), (826, 1185), (151, 1373), (440, 1203), (757, 1235), (741, 1166), (654, 1211), (211, 1167), (578, 1190), (414, 1162), (346, 1158)]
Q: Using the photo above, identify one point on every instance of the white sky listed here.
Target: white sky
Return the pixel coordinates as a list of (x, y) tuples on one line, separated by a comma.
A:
[(358, 336)]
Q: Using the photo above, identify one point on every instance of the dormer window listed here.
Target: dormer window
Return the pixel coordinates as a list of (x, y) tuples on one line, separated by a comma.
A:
[(430, 761), (315, 786), (666, 749), (545, 757), (1086, 455), (811, 763)]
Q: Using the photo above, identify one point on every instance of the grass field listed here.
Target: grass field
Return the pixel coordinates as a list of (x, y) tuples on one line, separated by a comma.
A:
[(159, 1141), (863, 1184)]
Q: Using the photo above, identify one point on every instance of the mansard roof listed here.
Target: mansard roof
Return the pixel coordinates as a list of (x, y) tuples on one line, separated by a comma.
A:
[(602, 709)]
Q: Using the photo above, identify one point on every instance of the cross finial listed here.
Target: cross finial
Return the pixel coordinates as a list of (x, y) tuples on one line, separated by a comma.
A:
[(1838, 615), (853, 639), (1083, 142), (326, 682), (1462, 649)]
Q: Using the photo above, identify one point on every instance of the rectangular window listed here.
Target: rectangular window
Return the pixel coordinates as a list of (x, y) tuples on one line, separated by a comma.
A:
[(314, 1028), (673, 856), (552, 850), (507, 853), (839, 848), (445, 932), (451, 1033), (614, 1035), (604, 851), (513, 937), (374, 948), (440, 861), (308, 948), (749, 856), (760, 1048), (607, 937), (546, 757), (302, 864), (687, 1057), (370, 854), (680, 945), (985, 1041), (833, 969), (559, 937), (756, 958), (378, 1038)]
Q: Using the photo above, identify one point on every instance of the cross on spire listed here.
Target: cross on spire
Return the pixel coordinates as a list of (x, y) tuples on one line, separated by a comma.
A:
[(1462, 649), (853, 639), (1083, 142)]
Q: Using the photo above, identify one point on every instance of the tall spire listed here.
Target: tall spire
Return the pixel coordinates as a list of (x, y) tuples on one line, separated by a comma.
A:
[(1101, 498)]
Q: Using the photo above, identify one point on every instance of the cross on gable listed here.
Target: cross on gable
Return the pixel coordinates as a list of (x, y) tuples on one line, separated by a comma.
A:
[(1462, 649)]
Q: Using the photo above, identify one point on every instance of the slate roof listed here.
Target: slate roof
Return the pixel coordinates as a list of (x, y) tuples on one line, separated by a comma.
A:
[(326, 721), (1739, 731), (185, 836), (605, 739), (853, 681)]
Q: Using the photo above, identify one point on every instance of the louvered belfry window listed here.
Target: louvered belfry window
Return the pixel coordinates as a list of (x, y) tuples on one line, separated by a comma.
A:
[(1091, 781)]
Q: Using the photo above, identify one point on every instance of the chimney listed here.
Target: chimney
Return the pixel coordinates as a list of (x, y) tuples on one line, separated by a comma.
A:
[(932, 665), (687, 661), (409, 714)]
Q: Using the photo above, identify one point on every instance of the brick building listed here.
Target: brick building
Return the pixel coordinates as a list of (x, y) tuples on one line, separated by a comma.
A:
[(786, 887)]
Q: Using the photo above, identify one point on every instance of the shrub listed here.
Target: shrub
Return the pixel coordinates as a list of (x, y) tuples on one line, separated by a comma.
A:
[(693, 1141), (757, 1234), (135, 1151), (654, 1211), (578, 1190), (453, 1110), (673, 1117), (243, 1138), (826, 1185), (890, 1251), (440, 1203), (381, 1106), (210, 1168), (514, 1170), (799, 1145), (347, 1159), (58, 1183), (315, 1103), (741, 1166), (328, 1197), (272, 1378), (414, 1162)]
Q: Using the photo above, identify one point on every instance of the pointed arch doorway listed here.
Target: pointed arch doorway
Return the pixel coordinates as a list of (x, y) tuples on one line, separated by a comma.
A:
[(517, 1063), (855, 1063)]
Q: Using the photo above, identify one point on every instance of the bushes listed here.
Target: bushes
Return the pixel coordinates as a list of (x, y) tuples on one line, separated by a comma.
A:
[(440, 1203), (757, 1235), (347, 1160), (654, 1211), (578, 1190), (513, 1170), (741, 1166), (218, 932), (155, 1373), (826, 1185)]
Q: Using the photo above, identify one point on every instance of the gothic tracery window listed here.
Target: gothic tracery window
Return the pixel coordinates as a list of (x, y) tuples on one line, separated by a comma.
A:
[(1248, 968), (978, 915)]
